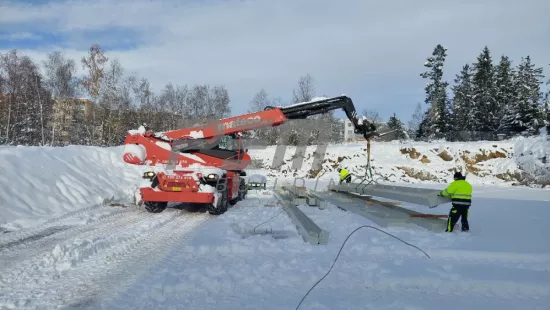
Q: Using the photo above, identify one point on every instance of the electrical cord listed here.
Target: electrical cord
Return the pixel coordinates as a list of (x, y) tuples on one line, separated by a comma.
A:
[(334, 262), (254, 229)]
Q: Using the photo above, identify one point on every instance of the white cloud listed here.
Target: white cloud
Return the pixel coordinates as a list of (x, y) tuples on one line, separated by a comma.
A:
[(370, 50), (18, 36)]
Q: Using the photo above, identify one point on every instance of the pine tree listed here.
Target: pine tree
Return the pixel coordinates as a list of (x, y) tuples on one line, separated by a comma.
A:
[(506, 91), (547, 111), (395, 123), (547, 108), (424, 127), (484, 104), (436, 91), (462, 101), (526, 115)]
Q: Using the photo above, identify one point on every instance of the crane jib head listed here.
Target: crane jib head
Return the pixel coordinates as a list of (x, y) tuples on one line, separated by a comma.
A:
[(367, 129)]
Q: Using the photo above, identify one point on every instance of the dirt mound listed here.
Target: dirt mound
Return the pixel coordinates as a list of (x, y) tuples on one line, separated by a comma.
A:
[(413, 154), (445, 156), (484, 155), (425, 159), (418, 174)]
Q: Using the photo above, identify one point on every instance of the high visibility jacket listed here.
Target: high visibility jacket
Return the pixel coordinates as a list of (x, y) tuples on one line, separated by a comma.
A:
[(460, 192), (343, 174)]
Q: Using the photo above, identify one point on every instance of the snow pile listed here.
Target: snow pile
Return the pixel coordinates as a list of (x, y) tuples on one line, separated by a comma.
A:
[(314, 99), (140, 131), (485, 162), (41, 182), (196, 134), (533, 157), (257, 178)]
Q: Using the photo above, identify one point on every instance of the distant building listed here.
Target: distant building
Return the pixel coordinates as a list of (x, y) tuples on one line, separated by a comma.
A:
[(68, 113), (349, 134)]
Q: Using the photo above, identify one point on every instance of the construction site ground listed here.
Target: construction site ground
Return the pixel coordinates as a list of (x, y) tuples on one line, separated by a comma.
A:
[(117, 256)]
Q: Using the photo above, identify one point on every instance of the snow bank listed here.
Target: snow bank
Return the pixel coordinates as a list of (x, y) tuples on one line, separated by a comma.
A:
[(523, 161), (39, 183), (533, 157)]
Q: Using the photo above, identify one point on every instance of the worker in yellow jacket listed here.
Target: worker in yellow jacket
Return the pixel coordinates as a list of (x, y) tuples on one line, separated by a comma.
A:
[(460, 193), (344, 175)]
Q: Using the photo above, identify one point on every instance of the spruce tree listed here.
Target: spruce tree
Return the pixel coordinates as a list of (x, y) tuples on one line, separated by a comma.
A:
[(395, 123), (526, 115), (506, 92), (547, 108), (436, 91), (424, 127), (547, 111), (484, 104), (462, 101)]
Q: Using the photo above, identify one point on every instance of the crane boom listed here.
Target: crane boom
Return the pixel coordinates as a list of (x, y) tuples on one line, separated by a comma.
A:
[(272, 116), (321, 106)]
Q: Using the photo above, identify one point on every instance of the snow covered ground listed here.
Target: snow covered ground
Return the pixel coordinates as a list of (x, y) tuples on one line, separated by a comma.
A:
[(67, 246), (519, 161)]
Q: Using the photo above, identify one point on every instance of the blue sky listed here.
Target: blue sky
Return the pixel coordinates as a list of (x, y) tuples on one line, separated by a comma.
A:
[(372, 51)]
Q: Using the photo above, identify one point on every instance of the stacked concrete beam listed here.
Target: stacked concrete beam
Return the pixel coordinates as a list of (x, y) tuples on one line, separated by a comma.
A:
[(307, 228)]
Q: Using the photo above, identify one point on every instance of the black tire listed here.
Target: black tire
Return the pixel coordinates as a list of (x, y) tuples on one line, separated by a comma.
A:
[(155, 207), (242, 190), (241, 195), (222, 204)]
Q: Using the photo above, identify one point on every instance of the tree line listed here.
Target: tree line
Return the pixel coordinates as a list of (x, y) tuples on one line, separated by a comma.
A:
[(120, 101), (488, 100), (39, 108)]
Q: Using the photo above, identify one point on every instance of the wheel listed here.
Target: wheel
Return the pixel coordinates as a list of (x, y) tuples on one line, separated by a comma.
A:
[(221, 206), (242, 193), (242, 190), (155, 207)]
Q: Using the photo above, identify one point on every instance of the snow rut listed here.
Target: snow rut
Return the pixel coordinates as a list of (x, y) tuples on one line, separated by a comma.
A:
[(36, 242), (60, 271), (17, 236)]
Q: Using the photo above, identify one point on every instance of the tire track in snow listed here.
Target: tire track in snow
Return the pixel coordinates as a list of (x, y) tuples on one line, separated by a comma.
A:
[(73, 272), (155, 251), (54, 229), (18, 235), (24, 254)]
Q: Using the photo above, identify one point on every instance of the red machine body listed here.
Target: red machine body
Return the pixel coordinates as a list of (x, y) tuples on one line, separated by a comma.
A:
[(208, 161)]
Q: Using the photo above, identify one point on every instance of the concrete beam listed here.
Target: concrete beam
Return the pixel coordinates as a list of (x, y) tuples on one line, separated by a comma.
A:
[(383, 215), (420, 196), (309, 231)]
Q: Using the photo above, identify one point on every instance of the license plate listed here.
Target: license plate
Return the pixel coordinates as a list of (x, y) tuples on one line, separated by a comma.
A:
[(176, 189)]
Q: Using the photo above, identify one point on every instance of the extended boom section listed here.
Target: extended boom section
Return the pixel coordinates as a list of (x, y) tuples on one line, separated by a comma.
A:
[(320, 106)]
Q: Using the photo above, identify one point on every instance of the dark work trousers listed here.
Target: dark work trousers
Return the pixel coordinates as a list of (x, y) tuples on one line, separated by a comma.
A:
[(347, 179), (458, 211)]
